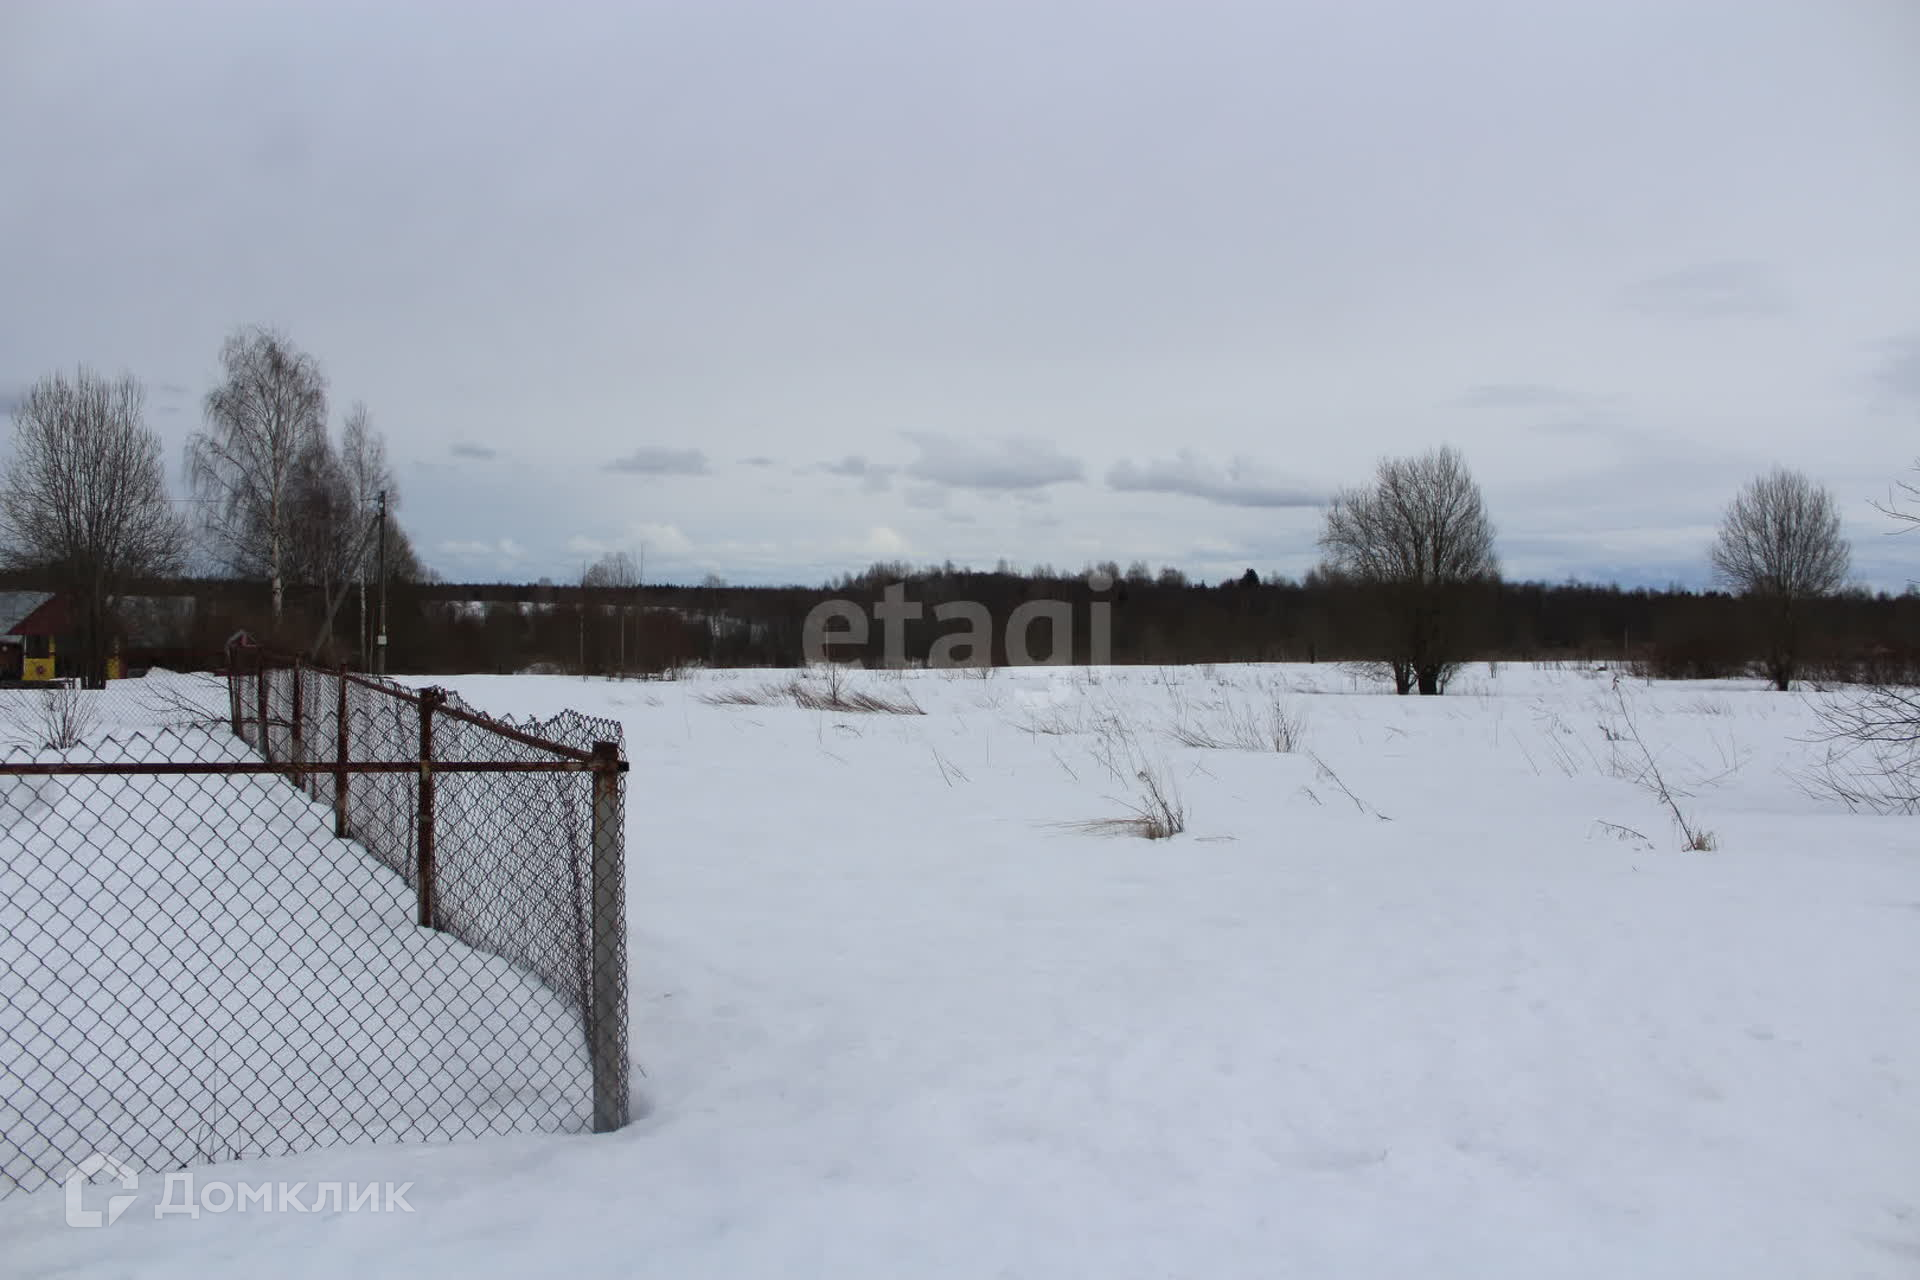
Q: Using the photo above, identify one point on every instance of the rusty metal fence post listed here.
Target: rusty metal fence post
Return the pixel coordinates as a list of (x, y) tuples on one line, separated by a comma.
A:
[(261, 687), (607, 1015), (341, 747), (297, 730), (429, 699)]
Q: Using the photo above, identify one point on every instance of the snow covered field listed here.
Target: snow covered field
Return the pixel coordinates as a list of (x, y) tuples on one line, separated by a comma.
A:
[(1437, 992)]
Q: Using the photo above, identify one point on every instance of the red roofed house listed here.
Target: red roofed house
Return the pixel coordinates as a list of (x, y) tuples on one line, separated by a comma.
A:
[(31, 624)]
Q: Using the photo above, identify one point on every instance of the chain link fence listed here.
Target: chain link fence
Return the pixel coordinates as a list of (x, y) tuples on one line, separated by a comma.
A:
[(301, 907)]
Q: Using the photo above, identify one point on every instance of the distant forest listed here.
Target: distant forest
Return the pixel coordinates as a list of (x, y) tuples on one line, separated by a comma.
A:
[(440, 627)]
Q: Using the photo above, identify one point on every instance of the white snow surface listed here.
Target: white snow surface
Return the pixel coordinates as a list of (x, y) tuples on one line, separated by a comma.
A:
[(1397, 1002)]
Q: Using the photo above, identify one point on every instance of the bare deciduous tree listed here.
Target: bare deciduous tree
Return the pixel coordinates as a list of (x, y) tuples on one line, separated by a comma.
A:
[(1420, 540), (85, 499), (612, 582), (1872, 740), (363, 456), (1872, 736), (614, 572), (1780, 546), (326, 532), (369, 479), (262, 420), (336, 542), (1904, 506), (65, 717)]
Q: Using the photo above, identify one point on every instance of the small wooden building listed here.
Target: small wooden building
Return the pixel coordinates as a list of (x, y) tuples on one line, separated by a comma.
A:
[(36, 626), (31, 625)]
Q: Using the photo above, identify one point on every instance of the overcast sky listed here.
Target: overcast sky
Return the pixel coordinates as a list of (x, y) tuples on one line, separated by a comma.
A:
[(777, 288)]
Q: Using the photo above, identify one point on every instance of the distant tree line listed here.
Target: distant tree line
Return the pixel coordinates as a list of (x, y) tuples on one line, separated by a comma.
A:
[(1157, 617), (1409, 582), (1409, 585)]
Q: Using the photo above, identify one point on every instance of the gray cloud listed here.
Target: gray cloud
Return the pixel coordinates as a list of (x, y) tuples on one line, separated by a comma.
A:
[(1521, 395), (1238, 484), (1005, 465), (758, 460), (1897, 373), (873, 477), (169, 398), (504, 552), (1710, 289), (1588, 426), (479, 452), (11, 398), (1539, 558), (651, 460)]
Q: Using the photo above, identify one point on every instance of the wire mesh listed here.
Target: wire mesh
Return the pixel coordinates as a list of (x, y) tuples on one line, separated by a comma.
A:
[(238, 960)]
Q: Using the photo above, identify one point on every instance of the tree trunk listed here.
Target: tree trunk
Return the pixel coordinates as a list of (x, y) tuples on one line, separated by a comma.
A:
[(273, 548), (91, 617), (92, 663), (1786, 646)]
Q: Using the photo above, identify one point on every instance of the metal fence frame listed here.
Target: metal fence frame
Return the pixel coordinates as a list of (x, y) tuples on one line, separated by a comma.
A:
[(271, 708)]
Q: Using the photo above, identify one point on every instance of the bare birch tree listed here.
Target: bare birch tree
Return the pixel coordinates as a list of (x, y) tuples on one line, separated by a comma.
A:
[(1419, 540), (325, 532), (265, 416), (1780, 546), (363, 456), (610, 585), (614, 572), (84, 499)]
